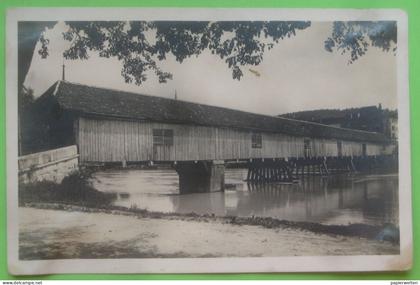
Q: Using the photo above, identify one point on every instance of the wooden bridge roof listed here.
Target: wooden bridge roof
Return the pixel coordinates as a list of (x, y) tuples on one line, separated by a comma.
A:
[(97, 101)]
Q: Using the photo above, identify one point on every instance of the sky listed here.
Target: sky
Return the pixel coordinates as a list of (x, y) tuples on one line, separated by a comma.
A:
[(297, 74)]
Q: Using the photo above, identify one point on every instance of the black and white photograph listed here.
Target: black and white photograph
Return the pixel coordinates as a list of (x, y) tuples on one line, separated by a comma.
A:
[(207, 140)]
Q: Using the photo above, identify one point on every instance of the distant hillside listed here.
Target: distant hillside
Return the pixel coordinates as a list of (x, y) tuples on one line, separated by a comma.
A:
[(369, 118)]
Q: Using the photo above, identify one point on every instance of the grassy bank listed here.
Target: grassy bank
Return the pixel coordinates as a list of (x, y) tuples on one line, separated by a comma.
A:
[(73, 190)]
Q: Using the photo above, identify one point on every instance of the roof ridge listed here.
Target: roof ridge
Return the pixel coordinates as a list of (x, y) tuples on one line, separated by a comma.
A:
[(119, 90), (56, 87), (170, 99), (211, 106)]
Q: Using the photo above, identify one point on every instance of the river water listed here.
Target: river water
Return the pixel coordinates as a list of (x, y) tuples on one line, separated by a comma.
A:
[(338, 199)]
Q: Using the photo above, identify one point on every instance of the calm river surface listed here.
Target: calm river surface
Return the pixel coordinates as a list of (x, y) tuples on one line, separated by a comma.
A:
[(338, 199)]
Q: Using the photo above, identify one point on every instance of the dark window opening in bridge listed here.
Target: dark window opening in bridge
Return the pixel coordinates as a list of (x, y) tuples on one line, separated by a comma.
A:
[(307, 148), (339, 148), (364, 150), (163, 137), (256, 141)]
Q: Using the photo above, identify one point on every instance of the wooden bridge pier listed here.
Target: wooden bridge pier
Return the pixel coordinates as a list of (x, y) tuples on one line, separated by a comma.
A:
[(381, 163), (269, 171), (309, 166), (282, 170), (340, 164)]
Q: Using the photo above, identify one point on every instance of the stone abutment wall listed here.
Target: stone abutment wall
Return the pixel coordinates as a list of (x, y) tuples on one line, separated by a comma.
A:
[(52, 165)]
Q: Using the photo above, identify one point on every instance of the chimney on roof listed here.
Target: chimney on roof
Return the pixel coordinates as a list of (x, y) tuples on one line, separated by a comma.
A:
[(176, 96)]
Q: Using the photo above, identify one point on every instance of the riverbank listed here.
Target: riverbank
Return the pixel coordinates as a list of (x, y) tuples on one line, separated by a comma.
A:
[(390, 233), (75, 189), (56, 231)]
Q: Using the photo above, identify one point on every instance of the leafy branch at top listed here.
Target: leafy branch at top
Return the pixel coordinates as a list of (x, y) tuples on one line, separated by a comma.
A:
[(139, 45), (355, 37)]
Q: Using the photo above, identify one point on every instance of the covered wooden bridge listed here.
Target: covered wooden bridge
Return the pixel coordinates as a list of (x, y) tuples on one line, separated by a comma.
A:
[(110, 126)]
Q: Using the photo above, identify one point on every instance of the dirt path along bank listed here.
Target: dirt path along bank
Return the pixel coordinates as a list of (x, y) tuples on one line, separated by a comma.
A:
[(56, 234)]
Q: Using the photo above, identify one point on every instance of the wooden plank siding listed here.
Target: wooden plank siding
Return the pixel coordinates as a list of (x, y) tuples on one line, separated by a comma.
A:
[(109, 140)]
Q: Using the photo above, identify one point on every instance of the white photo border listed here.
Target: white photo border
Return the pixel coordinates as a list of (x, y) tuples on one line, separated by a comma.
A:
[(400, 262)]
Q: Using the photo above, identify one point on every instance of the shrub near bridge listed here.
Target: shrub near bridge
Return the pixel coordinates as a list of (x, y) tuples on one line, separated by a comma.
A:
[(74, 189)]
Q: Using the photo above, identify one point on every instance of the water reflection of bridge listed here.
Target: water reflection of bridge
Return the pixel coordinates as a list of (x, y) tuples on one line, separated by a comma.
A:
[(314, 199)]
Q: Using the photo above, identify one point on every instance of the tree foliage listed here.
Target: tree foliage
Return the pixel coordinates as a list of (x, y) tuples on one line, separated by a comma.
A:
[(139, 45), (25, 100), (29, 34), (355, 37), (25, 116)]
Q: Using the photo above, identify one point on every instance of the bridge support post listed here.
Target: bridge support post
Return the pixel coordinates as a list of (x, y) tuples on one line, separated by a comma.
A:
[(270, 171), (201, 177)]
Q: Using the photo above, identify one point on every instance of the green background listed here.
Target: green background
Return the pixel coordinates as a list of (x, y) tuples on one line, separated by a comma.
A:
[(412, 7)]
